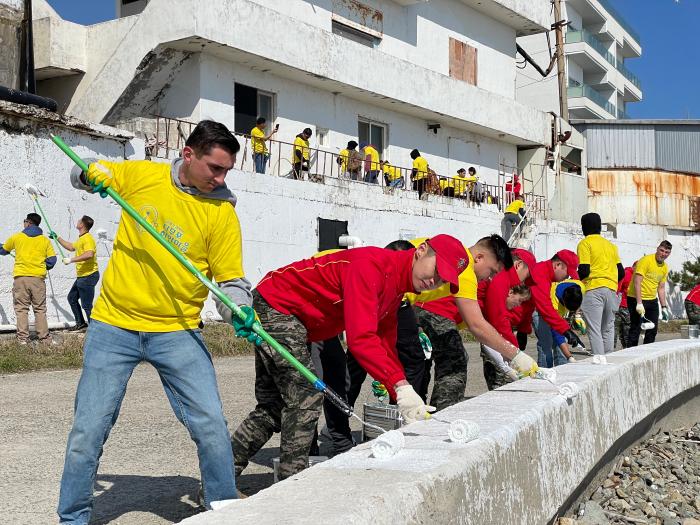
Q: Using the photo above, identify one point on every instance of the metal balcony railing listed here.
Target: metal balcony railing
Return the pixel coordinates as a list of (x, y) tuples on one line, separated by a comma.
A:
[(281, 161), (620, 20), (628, 74), (589, 38), (588, 92)]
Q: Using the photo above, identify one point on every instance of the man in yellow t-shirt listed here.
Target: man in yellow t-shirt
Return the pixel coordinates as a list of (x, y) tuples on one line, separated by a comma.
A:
[(372, 166), (350, 161), (83, 290), (511, 218), (301, 153), (392, 175), (149, 308), (600, 269), (34, 255), (258, 141), (646, 290), (419, 173)]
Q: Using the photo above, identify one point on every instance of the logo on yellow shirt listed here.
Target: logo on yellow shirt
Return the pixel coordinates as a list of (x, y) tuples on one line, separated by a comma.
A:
[(172, 233), (150, 213)]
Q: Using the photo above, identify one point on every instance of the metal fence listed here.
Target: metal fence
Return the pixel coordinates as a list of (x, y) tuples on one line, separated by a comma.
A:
[(281, 159)]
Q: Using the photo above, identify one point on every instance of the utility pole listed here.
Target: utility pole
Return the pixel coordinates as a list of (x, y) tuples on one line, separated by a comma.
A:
[(561, 65)]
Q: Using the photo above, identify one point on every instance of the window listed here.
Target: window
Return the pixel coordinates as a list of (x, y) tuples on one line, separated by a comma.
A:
[(329, 231), (374, 133), (463, 61), (354, 34), (249, 104)]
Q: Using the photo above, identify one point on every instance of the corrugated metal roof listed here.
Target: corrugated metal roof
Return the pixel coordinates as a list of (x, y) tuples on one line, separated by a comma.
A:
[(662, 145)]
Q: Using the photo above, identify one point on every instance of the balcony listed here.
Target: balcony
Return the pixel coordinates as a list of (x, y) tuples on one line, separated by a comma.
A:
[(586, 36), (628, 74), (582, 109), (607, 5)]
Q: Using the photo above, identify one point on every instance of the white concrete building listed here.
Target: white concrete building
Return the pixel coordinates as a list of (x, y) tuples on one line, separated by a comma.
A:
[(438, 76), (598, 42)]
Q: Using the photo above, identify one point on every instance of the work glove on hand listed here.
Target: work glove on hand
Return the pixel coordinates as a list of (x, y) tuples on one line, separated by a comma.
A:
[(426, 345), (411, 406), (640, 309), (512, 375), (572, 339), (66, 260), (53, 235), (244, 328), (665, 314), (522, 340), (524, 365), (100, 178), (572, 359), (579, 324)]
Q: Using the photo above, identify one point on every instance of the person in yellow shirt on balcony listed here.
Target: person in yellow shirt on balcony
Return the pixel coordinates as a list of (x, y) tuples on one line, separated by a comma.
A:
[(82, 292), (301, 153), (447, 186), (34, 255), (392, 175), (258, 141), (372, 166), (419, 173), (350, 161), (462, 183), (514, 213)]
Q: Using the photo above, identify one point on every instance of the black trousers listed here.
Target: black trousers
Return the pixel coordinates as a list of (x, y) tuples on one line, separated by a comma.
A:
[(651, 313)]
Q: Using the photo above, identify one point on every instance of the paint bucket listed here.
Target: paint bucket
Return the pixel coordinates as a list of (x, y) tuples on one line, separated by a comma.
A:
[(382, 415), (313, 460), (690, 331)]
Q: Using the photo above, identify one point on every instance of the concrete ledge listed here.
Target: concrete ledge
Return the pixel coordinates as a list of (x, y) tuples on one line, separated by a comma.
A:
[(534, 451)]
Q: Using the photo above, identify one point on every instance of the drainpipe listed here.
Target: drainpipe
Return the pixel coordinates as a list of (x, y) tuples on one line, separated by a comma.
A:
[(52, 326), (350, 241), (27, 82)]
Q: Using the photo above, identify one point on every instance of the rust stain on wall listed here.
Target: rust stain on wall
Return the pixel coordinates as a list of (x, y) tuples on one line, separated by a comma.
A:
[(360, 13)]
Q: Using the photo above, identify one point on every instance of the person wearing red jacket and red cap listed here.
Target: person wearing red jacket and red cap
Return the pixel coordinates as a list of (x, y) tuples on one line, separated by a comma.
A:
[(358, 291), (692, 305), (562, 265), (622, 316)]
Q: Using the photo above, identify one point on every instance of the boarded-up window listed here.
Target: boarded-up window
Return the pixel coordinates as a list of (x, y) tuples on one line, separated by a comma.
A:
[(463, 61)]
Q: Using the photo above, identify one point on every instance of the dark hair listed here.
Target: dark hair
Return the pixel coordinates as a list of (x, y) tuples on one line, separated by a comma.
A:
[(352, 144), (415, 154), (472, 169), (555, 258), (666, 244), (499, 247), (307, 131), (208, 134), (460, 170), (399, 245), (34, 218), (590, 223), (87, 222), (522, 289), (261, 120), (572, 297)]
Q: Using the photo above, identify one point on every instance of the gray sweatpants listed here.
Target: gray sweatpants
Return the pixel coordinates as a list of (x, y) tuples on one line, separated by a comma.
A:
[(599, 307)]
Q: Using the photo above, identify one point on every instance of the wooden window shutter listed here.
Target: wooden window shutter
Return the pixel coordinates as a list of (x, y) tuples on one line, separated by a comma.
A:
[(463, 61)]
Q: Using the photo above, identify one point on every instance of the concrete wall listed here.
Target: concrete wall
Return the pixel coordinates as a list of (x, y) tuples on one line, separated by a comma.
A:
[(10, 19), (534, 450)]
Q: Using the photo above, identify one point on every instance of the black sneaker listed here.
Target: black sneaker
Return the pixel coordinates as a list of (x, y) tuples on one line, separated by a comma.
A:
[(78, 327)]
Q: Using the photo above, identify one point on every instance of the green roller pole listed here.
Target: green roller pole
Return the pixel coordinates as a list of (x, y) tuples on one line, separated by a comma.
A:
[(257, 328)]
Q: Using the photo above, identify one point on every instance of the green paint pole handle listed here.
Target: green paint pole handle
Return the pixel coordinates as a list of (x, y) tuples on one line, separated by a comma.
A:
[(257, 328), (55, 241)]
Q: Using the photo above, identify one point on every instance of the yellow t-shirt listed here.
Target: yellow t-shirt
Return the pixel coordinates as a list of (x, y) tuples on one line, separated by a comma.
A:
[(460, 184), (653, 274), (374, 158), (257, 137), (421, 167), (86, 243), (144, 288), (603, 258), (30, 254), (392, 172), (447, 183), (303, 145), (468, 282), (344, 156), (515, 206)]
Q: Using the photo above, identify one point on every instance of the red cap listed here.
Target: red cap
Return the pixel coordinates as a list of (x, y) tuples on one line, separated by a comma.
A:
[(452, 259), (571, 260), (528, 258)]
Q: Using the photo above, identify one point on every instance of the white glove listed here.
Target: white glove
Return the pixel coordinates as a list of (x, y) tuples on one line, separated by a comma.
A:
[(640, 309), (512, 374), (411, 406), (572, 359), (67, 260), (524, 364)]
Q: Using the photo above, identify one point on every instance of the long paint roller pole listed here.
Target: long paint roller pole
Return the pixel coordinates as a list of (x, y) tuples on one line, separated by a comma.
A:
[(257, 328), (32, 191)]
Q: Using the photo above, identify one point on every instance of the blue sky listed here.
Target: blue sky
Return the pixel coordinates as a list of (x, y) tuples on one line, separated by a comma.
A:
[(668, 68)]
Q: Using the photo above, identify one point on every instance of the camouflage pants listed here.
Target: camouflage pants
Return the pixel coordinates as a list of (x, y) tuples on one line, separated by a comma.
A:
[(286, 402), (622, 326), (693, 312), (492, 374), (449, 356)]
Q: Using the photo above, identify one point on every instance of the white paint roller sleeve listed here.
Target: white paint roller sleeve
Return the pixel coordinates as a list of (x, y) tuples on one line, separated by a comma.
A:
[(388, 444), (569, 390), (463, 431)]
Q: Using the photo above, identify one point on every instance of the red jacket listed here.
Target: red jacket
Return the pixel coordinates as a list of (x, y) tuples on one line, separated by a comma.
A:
[(623, 285), (694, 295), (543, 274), (359, 291), (495, 293)]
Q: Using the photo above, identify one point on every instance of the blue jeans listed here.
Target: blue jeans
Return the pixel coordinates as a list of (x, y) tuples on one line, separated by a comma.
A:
[(260, 160), (372, 176), (81, 294), (187, 374), (396, 183), (548, 353)]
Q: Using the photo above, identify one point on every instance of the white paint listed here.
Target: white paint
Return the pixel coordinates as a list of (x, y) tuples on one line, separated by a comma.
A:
[(517, 460), (462, 431), (388, 445)]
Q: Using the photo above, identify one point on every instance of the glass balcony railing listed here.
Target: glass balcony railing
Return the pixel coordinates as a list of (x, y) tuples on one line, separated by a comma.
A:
[(622, 114), (588, 92), (628, 74), (586, 36), (618, 17)]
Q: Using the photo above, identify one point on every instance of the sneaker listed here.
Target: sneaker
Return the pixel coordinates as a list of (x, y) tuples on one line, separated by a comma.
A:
[(78, 327), (22, 342)]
